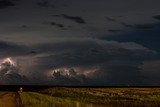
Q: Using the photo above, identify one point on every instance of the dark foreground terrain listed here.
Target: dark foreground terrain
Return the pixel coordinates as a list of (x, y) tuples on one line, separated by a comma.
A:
[(10, 99), (49, 96)]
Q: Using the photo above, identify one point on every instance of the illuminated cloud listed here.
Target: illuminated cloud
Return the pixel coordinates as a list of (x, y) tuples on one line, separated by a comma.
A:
[(9, 73)]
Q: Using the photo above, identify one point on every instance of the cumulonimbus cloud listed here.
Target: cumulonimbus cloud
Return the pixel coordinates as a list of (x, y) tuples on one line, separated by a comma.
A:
[(94, 62)]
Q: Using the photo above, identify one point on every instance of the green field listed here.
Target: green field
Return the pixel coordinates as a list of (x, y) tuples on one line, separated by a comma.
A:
[(91, 97)]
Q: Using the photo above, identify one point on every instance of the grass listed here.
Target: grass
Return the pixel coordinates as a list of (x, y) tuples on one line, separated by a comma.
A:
[(33, 99), (84, 97), (105, 95)]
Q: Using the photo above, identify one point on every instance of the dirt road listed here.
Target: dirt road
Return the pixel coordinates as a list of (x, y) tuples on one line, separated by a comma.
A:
[(10, 99)]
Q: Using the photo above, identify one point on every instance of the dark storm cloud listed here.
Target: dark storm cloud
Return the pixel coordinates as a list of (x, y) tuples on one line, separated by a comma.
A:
[(14, 78), (57, 25), (148, 71), (6, 3), (126, 25), (120, 59), (88, 58), (134, 26), (157, 17), (72, 79), (77, 19), (148, 38), (9, 49), (9, 74), (139, 26), (117, 62), (143, 26), (23, 27), (151, 71), (114, 30), (43, 3), (120, 72), (111, 19)]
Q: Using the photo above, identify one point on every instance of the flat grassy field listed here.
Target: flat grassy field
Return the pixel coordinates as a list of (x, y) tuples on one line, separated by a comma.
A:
[(85, 97), (33, 99)]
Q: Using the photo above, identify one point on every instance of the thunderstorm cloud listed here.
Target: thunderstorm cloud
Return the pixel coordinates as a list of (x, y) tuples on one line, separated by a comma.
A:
[(80, 42)]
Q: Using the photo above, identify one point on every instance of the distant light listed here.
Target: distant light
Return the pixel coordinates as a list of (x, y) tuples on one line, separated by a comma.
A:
[(21, 89)]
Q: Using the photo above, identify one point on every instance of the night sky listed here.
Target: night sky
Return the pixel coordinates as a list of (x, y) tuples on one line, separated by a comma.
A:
[(80, 42)]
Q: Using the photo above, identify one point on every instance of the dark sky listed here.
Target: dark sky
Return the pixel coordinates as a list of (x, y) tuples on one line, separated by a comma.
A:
[(80, 42)]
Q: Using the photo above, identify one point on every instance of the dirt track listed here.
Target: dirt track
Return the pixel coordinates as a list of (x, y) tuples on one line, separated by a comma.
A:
[(10, 99)]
